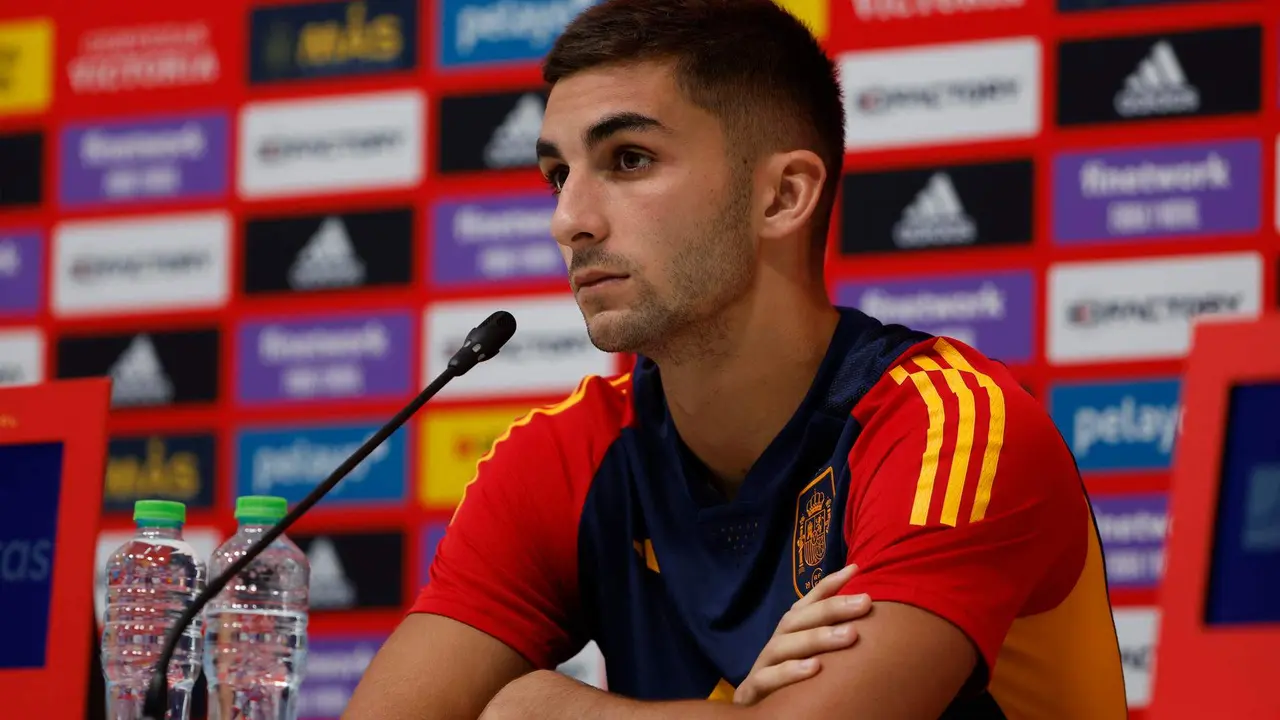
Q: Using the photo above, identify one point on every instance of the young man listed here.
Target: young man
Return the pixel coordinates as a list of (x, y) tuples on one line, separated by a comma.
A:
[(685, 515)]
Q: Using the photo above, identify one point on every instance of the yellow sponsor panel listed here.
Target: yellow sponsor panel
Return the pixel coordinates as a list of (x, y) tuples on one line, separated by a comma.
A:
[(814, 13), (452, 442), (26, 65)]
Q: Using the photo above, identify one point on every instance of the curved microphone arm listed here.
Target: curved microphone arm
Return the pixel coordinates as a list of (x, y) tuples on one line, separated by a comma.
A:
[(481, 343)]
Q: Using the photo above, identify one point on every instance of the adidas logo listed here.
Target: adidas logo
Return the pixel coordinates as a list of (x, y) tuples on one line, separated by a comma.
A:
[(138, 378), (935, 217), (331, 589), (327, 260), (512, 144), (1157, 87)]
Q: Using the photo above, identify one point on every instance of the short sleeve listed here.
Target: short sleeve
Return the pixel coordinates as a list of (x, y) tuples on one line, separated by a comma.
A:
[(964, 499), (507, 564)]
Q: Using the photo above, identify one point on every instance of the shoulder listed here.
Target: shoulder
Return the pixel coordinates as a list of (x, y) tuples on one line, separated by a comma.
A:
[(962, 426), (556, 449)]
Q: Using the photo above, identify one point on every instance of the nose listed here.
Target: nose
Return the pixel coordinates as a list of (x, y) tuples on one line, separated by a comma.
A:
[(579, 216)]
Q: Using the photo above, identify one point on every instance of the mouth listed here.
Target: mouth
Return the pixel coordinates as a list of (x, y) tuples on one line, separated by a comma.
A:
[(596, 278)]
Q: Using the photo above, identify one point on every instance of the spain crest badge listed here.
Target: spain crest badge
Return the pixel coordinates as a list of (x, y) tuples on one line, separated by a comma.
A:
[(809, 535)]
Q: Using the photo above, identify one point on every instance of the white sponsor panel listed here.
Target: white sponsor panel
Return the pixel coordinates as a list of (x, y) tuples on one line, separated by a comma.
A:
[(1136, 629), (960, 92), (1145, 308), (203, 539), (155, 263), (587, 666), (21, 356), (549, 354), (340, 143)]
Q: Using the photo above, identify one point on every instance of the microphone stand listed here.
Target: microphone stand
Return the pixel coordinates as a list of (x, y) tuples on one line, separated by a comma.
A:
[(482, 343)]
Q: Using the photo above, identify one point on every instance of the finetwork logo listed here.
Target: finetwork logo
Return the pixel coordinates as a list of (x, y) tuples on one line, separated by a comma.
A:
[(328, 260), (21, 272), (991, 312), (1166, 190), (334, 668), (500, 31), (1133, 530), (1120, 425), (1145, 309), (935, 218), (1157, 86), (494, 239)]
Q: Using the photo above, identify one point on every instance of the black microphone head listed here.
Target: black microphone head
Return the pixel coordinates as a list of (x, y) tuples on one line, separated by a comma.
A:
[(484, 341)]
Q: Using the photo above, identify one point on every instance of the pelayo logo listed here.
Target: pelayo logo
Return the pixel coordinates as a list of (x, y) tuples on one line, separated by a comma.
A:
[(478, 32), (290, 462), (1119, 425)]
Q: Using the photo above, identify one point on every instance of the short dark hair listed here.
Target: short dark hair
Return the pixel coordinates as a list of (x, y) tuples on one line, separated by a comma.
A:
[(748, 62)]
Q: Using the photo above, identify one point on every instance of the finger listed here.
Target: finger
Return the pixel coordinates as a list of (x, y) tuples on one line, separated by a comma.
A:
[(765, 681), (807, 644), (827, 586), (824, 613)]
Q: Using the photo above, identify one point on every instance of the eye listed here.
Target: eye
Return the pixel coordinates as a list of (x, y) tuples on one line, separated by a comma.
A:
[(555, 178), (632, 161)]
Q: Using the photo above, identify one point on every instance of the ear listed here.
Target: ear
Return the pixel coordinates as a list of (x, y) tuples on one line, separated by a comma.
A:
[(794, 185)]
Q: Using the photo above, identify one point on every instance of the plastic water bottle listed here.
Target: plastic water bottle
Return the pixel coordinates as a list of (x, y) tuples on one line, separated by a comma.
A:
[(256, 627), (150, 581)]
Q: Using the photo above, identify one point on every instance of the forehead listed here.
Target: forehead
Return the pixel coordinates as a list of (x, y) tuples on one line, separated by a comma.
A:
[(583, 99)]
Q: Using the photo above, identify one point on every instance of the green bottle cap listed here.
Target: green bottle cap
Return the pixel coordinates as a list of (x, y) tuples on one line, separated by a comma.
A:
[(163, 513), (261, 508)]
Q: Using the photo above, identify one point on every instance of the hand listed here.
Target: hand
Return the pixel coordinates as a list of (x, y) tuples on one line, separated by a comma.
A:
[(817, 623)]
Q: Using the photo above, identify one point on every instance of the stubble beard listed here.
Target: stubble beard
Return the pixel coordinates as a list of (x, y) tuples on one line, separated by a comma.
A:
[(713, 268)]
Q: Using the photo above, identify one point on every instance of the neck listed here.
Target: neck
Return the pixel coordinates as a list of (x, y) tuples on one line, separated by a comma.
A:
[(732, 396)]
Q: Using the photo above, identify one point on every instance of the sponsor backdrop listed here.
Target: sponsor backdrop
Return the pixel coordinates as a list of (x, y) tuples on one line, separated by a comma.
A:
[(271, 222)]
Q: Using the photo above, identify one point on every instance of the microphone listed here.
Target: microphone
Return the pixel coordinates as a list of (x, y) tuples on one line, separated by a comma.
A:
[(482, 343)]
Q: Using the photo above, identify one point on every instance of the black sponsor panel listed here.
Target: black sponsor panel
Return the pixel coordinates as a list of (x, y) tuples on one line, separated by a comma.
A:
[(354, 571), (1078, 5), (332, 39), (1150, 77), (147, 369), (937, 207), (160, 467), (21, 169), (319, 253), (490, 132)]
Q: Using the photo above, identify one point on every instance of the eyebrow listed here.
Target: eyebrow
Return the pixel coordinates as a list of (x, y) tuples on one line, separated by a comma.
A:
[(603, 129)]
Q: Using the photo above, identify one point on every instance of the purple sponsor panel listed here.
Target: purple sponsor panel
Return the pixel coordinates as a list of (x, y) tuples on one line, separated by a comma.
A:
[(21, 272), (1183, 190), (325, 358), (334, 668), (430, 536), (990, 312), (492, 239), (163, 158), (1132, 528)]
